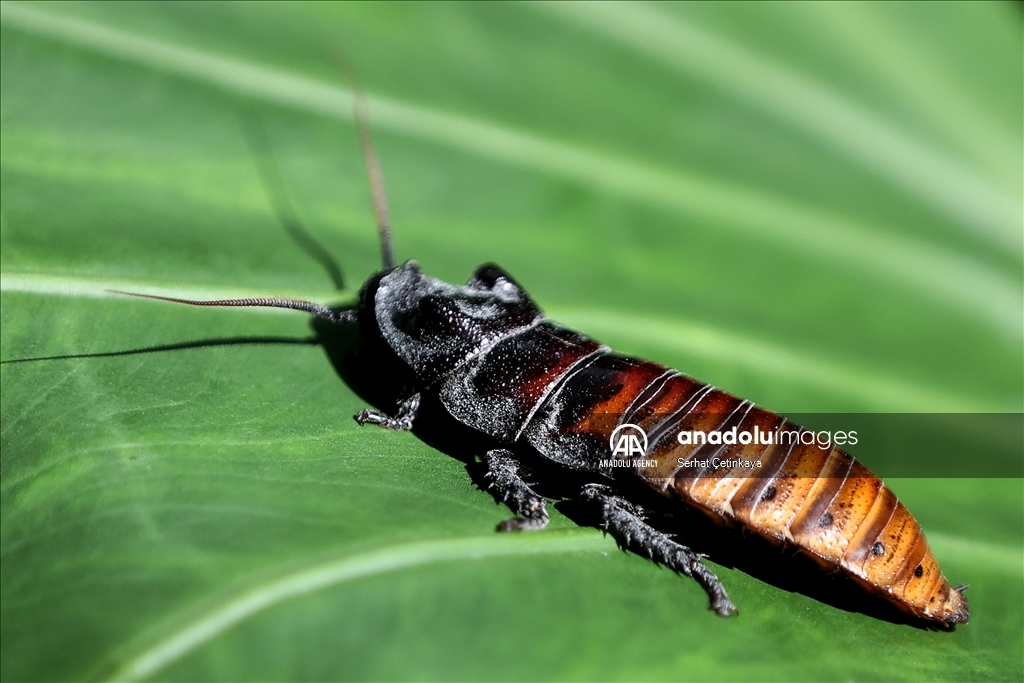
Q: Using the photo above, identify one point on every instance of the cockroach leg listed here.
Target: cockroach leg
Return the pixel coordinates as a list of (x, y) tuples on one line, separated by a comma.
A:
[(401, 422), (624, 521), (503, 473)]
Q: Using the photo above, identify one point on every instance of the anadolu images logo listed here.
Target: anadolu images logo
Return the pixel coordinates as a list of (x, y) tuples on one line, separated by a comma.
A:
[(628, 441)]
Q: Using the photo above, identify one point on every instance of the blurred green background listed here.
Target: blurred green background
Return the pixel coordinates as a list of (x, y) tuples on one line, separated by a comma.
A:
[(815, 206)]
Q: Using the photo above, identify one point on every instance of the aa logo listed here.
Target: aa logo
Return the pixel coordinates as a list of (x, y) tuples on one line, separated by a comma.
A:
[(628, 441)]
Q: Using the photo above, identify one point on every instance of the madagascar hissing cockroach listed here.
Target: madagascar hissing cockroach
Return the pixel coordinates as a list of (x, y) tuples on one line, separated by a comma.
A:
[(537, 392)]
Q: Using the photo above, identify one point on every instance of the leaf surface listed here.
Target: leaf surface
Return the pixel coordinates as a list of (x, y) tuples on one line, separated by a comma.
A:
[(817, 207)]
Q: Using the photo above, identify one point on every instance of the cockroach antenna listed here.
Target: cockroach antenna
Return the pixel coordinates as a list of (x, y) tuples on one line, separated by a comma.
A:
[(318, 310), (373, 171), (380, 206)]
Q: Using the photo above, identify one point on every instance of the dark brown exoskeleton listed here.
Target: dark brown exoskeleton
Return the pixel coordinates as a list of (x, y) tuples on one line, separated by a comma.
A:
[(485, 352)]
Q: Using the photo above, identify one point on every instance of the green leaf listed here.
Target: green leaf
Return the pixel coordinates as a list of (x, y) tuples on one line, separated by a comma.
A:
[(815, 206)]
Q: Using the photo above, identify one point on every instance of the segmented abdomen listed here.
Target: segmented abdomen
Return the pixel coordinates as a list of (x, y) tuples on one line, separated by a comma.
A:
[(818, 499)]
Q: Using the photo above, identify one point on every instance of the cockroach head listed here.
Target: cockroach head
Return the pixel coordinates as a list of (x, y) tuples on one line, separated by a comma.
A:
[(433, 325)]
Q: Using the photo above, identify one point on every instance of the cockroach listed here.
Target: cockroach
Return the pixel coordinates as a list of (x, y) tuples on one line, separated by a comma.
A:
[(539, 392)]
